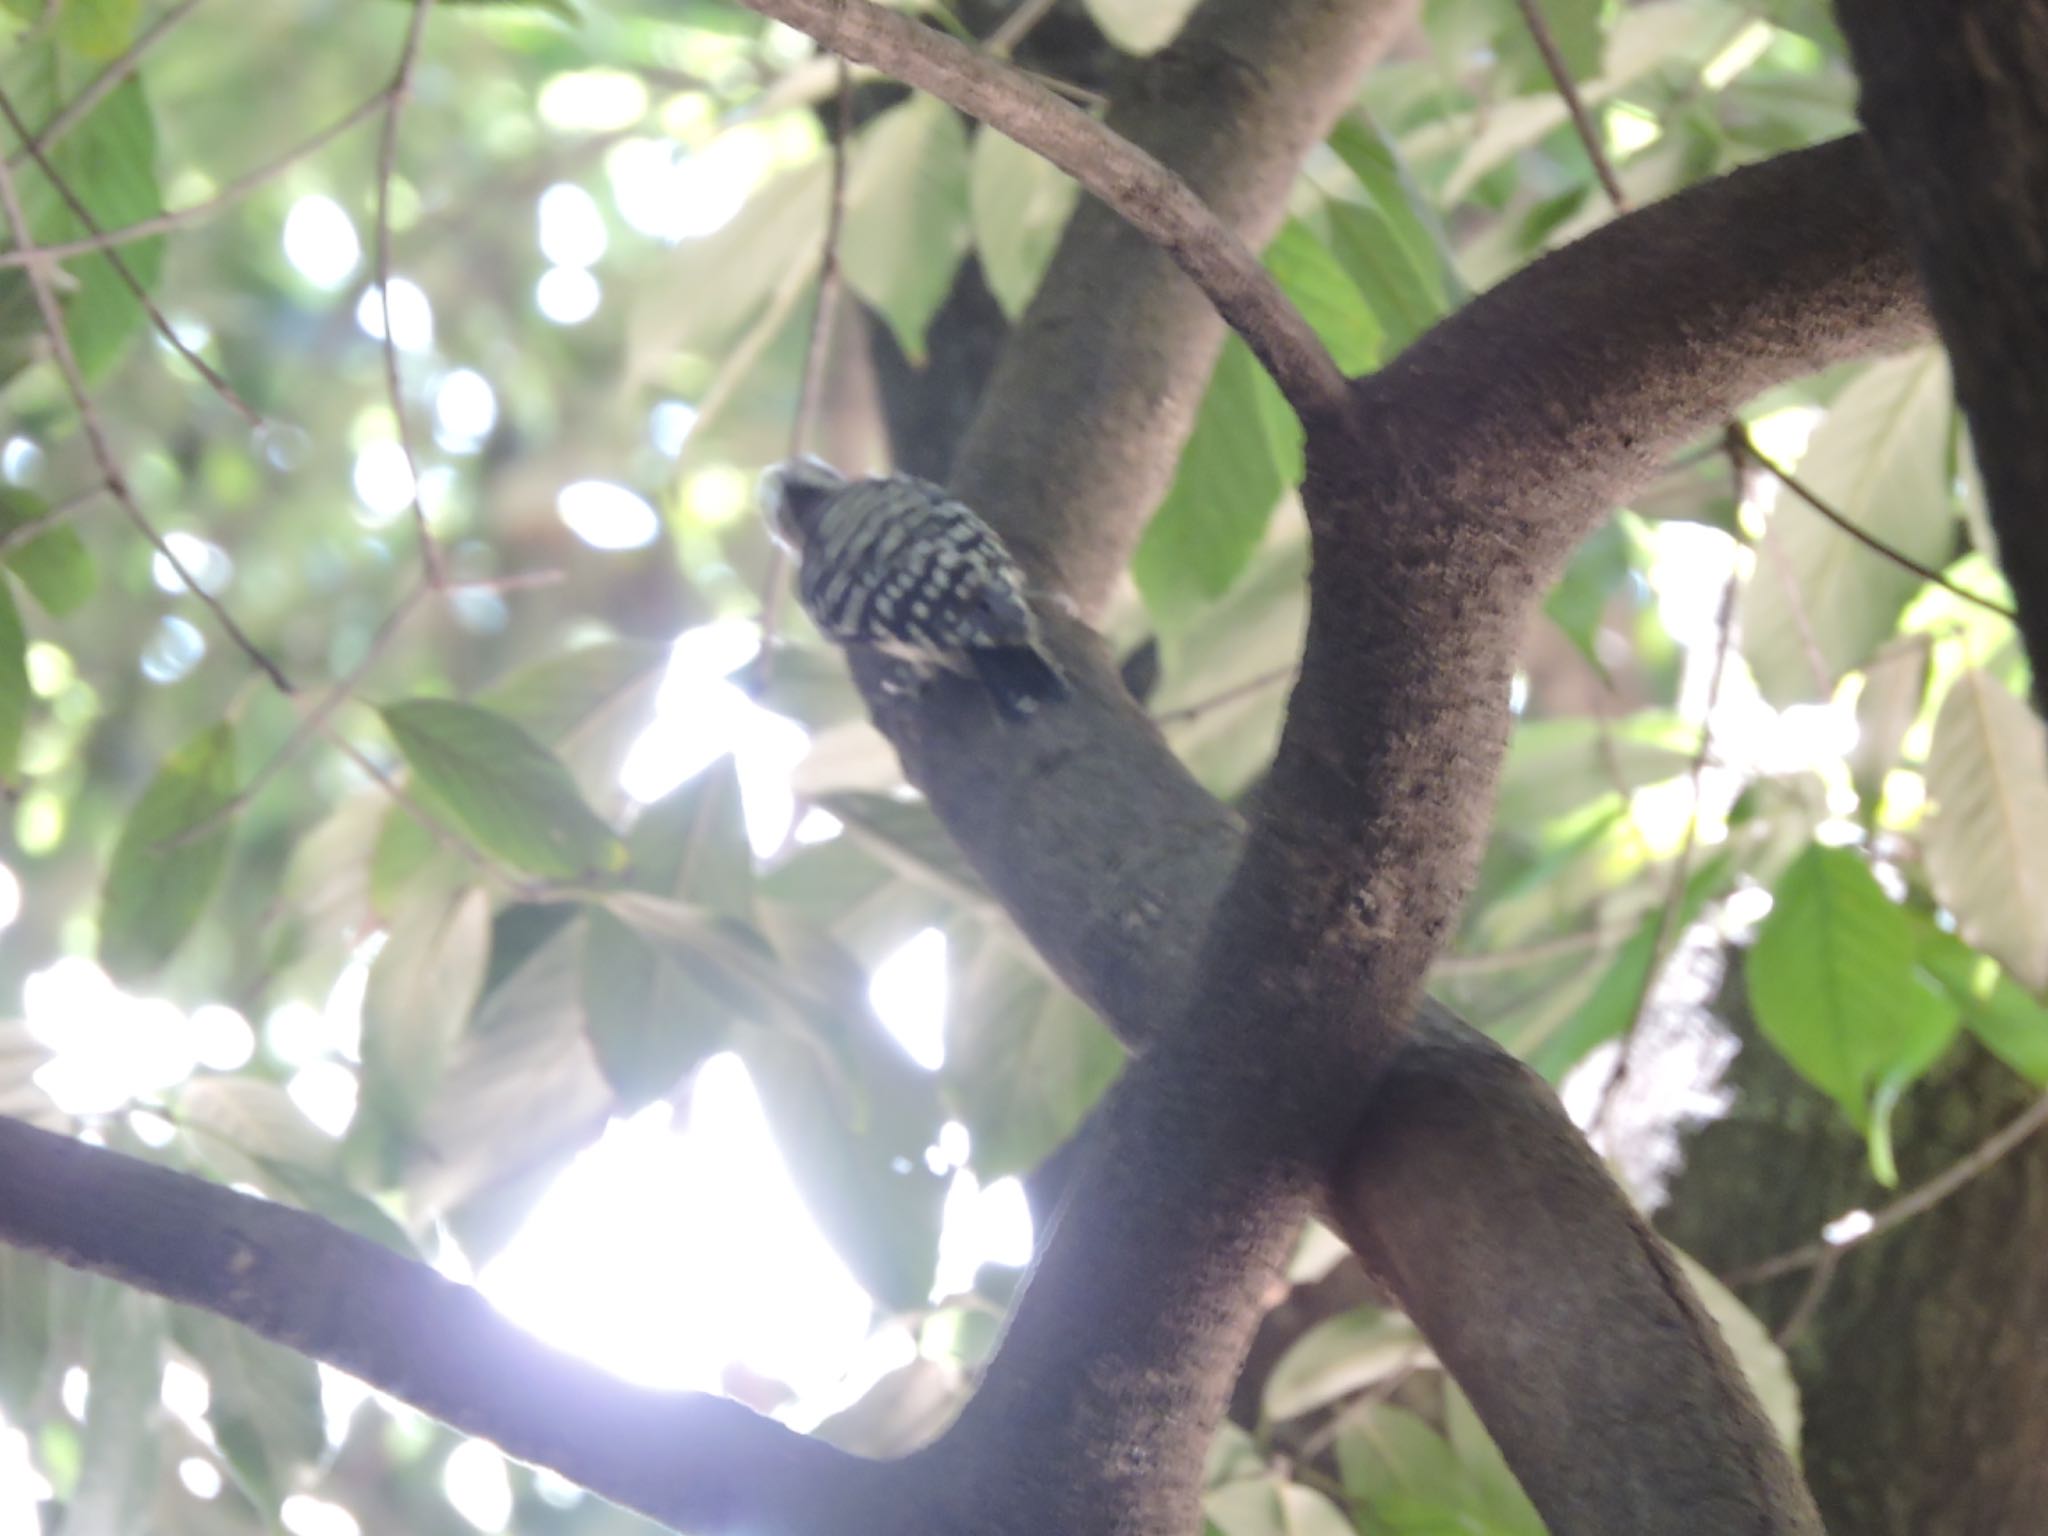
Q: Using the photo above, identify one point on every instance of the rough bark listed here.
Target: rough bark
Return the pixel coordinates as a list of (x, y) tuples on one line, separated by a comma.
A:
[(1956, 99), (1920, 1369)]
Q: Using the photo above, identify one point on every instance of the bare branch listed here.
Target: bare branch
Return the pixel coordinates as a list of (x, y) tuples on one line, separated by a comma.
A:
[(1137, 186), (692, 1461), (1746, 445), (2001, 1142)]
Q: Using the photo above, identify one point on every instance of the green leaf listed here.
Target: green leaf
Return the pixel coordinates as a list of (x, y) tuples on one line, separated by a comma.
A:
[(1244, 453), (1025, 1061), (648, 1022), (1341, 1356), (852, 1116), (909, 840), (1269, 1507), (1996, 1009), (98, 29), (1019, 202), (1560, 764), (155, 893), (1611, 1008), (1598, 570), (108, 161), (117, 1477), (1832, 980), (1368, 245), (560, 694), (422, 987), (906, 223), (1140, 26), (53, 565), (692, 843), (1894, 685), (1760, 1355), (25, 1280), (1327, 298), (1987, 772), (263, 1403), (14, 689), (504, 789), (1389, 187), (1820, 603)]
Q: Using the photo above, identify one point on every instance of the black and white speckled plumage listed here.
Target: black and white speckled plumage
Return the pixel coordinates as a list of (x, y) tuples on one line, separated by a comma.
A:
[(897, 564)]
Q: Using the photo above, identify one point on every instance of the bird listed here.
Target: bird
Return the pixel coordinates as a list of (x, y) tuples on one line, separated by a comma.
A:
[(898, 564)]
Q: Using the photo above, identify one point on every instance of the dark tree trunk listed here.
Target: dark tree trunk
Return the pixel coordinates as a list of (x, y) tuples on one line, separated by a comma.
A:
[(1924, 1364)]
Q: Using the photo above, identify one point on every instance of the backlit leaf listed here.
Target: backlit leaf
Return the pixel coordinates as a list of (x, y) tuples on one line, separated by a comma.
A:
[(505, 790), (1832, 980), (154, 892), (1020, 202), (1987, 772), (53, 565), (906, 215)]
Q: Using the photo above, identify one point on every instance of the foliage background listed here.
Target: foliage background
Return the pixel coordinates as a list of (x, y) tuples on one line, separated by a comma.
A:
[(1736, 725)]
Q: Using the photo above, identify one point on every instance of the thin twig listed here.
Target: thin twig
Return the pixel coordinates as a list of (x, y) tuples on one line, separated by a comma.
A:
[(1917, 1202), (36, 527), (1017, 26), (1230, 695), (395, 98), (38, 270), (312, 721), (1681, 870), (817, 352), (123, 271), (192, 213), (1803, 1311), (1574, 103), (1151, 198), (74, 111), (1870, 541)]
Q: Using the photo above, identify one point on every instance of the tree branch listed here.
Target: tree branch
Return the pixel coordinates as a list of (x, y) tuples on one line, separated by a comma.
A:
[(1151, 197), (693, 1461)]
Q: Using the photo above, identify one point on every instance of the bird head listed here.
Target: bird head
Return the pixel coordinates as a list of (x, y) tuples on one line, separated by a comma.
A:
[(793, 494)]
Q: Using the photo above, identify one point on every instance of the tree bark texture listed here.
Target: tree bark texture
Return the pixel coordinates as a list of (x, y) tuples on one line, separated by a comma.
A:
[(1922, 1368)]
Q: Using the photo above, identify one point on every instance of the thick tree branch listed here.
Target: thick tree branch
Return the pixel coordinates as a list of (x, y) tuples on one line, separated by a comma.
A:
[(1956, 99), (696, 1462), (1137, 186)]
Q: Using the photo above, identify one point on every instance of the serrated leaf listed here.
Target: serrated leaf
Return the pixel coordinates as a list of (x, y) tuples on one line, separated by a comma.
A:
[(906, 226), (1832, 981), (1320, 288), (1019, 202), (1340, 1356), (108, 161), (263, 1402), (1140, 26), (1243, 454), (155, 893), (422, 987), (505, 790), (1987, 773), (14, 689), (53, 565), (648, 1022), (1820, 603), (1996, 1009)]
